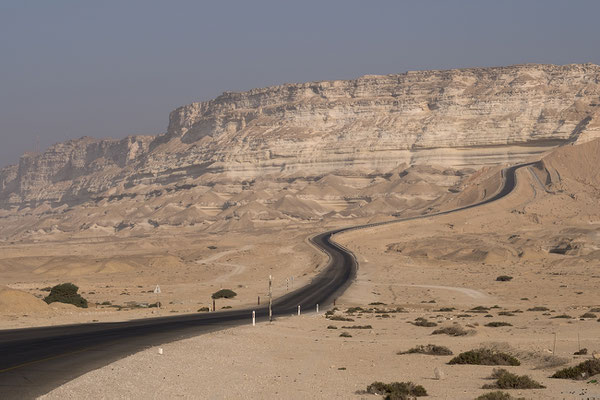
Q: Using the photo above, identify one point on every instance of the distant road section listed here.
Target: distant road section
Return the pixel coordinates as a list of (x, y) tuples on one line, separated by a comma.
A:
[(34, 361)]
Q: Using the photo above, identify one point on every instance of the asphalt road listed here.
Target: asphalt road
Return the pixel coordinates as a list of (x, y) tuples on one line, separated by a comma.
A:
[(33, 361)]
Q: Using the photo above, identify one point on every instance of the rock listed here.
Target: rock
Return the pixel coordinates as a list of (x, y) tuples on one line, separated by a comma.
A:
[(439, 374)]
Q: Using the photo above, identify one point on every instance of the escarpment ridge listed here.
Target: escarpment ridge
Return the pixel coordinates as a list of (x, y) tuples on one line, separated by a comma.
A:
[(454, 118)]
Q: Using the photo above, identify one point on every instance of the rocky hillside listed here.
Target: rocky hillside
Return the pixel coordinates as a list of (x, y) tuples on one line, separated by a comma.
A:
[(367, 127)]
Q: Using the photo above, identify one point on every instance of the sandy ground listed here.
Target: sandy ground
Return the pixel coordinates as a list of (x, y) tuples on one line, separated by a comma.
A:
[(545, 235)]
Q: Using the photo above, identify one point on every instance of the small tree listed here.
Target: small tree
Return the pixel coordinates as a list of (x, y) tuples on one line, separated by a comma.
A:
[(66, 293), (224, 293)]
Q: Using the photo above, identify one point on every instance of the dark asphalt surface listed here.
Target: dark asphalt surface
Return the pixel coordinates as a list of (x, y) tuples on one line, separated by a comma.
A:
[(33, 361)]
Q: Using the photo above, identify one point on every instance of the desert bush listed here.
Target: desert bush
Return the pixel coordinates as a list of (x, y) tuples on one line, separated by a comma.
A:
[(504, 278), (506, 313), (595, 309), (508, 380), (565, 316), (203, 309), (589, 315), (480, 309), (377, 303), (496, 324), (340, 318), (430, 349), (105, 303), (224, 294), (423, 322), (66, 293), (484, 357), (358, 327), (497, 396), (345, 334), (580, 371), (397, 390), (226, 307), (538, 308), (331, 327), (451, 331), (352, 310), (446, 309), (581, 352), (540, 359)]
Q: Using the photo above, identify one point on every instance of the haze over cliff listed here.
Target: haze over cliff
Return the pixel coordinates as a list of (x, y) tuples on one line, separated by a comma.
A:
[(370, 126)]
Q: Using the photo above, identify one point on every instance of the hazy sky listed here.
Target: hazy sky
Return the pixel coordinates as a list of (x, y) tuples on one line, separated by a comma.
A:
[(115, 68)]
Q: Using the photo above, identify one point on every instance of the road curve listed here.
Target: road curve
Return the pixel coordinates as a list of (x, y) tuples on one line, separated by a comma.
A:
[(34, 361)]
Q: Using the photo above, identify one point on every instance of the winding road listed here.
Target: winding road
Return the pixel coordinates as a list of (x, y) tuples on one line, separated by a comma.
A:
[(33, 361)]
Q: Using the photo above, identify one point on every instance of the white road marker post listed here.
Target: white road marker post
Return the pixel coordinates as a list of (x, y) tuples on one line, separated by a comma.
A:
[(317, 308), (270, 299), (157, 292), (253, 318), (160, 350), (298, 309)]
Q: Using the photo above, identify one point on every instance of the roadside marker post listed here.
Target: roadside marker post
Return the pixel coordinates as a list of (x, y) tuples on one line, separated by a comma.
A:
[(214, 309), (317, 308), (253, 318), (270, 299), (298, 310), (157, 292)]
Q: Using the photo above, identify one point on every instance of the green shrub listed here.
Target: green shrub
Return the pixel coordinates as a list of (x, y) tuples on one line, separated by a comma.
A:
[(345, 334), (331, 327), (430, 349), (565, 316), (66, 293), (484, 357), (224, 294), (581, 352), (589, 315), (538, 309), (340, 318), (506, 313), (451, 331), (579, 372), (508, 380), (504, 278), (352, 310), (497, 324), (446, 309), (358, 327), (397, 390), (203, 309), (423, 322), (497, 396)]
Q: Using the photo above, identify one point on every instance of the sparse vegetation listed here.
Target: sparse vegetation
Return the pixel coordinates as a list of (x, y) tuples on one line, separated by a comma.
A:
[(352, 310), (580, 371), (331, 327), (340, 318), (66, 293), (506, 313), (430, 349), (480, 310), (105, 303), (508, 380), (358, 327), (345, 334), (589, 315), (538, 309), (377, 303), (484, 357), (581, 352), (496, 324), (565, 316), (451, 331), (504, 278), (446, 309), (397, 390), (498, 395), (423, 322), (203, 309)]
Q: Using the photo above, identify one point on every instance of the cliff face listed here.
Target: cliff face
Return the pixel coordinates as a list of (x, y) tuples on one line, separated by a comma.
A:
[(455, 118)]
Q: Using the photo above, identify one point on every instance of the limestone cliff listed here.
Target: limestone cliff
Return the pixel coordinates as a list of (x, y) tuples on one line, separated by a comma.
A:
[(454, 118)]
